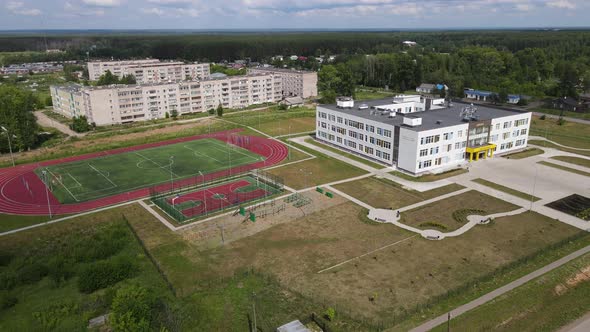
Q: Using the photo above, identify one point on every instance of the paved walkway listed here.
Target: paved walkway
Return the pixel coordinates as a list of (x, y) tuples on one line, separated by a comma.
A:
[(384, 173), (581, 324), (45, 121), (540, 138), (500, 291)]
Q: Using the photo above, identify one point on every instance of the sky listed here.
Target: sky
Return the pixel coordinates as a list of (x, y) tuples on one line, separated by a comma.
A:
[(291, 14)]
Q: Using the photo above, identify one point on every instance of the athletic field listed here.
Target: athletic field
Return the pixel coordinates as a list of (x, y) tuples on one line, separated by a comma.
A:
[(215, 198), (107, 175)]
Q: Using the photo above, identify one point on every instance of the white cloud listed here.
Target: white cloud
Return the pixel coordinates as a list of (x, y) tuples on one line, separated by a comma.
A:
[(18, 7), (13, 5), (153, 11), (563, 4), (102, 3), (176, 3)]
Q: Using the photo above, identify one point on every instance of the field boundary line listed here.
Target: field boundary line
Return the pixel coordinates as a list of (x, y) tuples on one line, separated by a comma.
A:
[(368, 253), (233, 146), (157, 164), (63, 185), (200, 153), (104, 176), (73, 178)]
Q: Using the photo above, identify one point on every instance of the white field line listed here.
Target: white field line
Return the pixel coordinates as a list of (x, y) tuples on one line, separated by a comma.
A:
[(201, 154), (73, 178), (161, 167), (236, 149), (63, 185), (104, 176), (365, 254), (290, 163)]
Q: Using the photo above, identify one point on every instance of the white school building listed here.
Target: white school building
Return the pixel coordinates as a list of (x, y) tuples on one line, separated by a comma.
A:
[(426, 137)]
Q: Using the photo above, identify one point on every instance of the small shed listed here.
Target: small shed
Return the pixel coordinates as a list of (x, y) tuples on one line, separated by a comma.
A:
[(293, 101)]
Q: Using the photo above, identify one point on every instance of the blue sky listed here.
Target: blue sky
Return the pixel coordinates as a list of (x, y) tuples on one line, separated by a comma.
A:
[(291, 14)]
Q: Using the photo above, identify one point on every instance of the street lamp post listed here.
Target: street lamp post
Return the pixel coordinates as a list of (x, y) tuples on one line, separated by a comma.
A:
[(47, 192), (171, 174), (9, 143)]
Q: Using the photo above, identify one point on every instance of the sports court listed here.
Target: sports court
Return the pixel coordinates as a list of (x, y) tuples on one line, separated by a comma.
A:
[(111, 174), (204, 201)]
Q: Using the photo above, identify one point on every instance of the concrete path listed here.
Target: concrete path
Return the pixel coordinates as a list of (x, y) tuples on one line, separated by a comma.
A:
[(414, 185), (157, 216), (500, 291), (45, 121), (581, 324), (540, 138)]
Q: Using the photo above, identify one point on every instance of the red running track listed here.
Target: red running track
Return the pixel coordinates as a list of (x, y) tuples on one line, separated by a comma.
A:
[(210, 203), (15, 198)]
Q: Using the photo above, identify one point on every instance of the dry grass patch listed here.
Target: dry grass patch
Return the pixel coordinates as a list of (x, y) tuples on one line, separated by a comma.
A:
[(442, 212), (385, 194)]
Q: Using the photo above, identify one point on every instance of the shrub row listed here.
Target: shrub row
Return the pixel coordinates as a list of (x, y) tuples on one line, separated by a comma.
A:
[(103, 274), (460, 216)]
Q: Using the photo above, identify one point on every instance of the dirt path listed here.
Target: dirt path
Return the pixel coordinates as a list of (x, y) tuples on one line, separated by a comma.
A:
[(45, 121)]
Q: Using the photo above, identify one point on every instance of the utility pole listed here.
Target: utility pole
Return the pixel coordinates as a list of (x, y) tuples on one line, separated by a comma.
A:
[(9, 144), (47, 193), (449, 322), (534, 187), (254, 310), (171, 176)]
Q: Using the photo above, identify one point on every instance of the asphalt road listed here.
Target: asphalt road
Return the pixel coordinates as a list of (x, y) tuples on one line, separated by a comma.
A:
[(500, 291)]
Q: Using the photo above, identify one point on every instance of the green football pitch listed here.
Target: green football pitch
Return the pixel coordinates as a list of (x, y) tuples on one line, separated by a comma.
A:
[(90, 179)]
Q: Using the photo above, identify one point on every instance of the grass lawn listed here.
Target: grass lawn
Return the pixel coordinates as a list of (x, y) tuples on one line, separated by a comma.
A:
[(544, 304), (571, 134), (317, 171), (372, 94), (345, 154), (430, 177), (52, 302), (9, 222), (573, 160), (385, 194), (276, 122), (585, 116), (117, 173), (551, 145), (450, 213), (564, 168), (524, 154), (506, 189), (380, 286)]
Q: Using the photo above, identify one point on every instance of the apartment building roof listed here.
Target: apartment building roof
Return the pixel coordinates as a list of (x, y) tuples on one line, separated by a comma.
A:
[(432, 119)]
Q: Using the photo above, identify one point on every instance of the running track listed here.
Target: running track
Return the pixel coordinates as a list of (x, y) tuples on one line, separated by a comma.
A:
[(15, 198)]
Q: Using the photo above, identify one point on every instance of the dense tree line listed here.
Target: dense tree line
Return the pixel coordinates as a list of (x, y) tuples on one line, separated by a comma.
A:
[(16, 116), (259, 46)]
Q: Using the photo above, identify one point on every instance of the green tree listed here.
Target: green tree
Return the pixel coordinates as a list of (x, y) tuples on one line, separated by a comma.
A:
[(128, 79), (48, 101), (107, 79), (80, 124), (219, 110), (131, 309), (174, 113), (16, 115)]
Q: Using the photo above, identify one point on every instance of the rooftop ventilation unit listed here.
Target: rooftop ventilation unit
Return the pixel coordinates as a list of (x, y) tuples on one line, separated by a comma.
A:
[(363, 106), (344, 102), (391, 115), (412, 121), (438, 122), (468, 113)]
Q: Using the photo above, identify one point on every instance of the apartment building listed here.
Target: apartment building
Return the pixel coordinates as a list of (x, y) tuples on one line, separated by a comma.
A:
[(130, 103), (150, 70), (295, 82), (423, 141)]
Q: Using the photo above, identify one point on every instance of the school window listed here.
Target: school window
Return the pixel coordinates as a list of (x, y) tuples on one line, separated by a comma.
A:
[(523, 131), (505, 135), (437, 161), (386, 156), (434, 150), (447, 136), (460, 133), (339, 120), (497, 126), (423, 152), (507, 124)]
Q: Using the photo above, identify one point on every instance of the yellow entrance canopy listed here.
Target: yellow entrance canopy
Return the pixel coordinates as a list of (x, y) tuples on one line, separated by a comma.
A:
[(475, 151)]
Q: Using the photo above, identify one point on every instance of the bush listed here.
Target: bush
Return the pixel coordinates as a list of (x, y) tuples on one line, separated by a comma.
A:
[(31, 273), (434, 225), (7, 301), (561, 122), (5, 259), (460, 216), (7, 280), (543, 117), (330, 314), (103, 274), (131, 309), (80, 124), (59, 270)]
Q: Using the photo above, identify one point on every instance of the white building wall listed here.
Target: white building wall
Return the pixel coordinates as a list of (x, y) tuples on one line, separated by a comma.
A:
[(432, 151), (510, 133), (372, 139)]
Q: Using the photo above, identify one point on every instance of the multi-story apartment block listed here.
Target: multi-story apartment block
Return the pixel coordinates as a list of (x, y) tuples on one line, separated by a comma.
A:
[(295, 82), (150, 70), (129, 103), (430, 140)]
